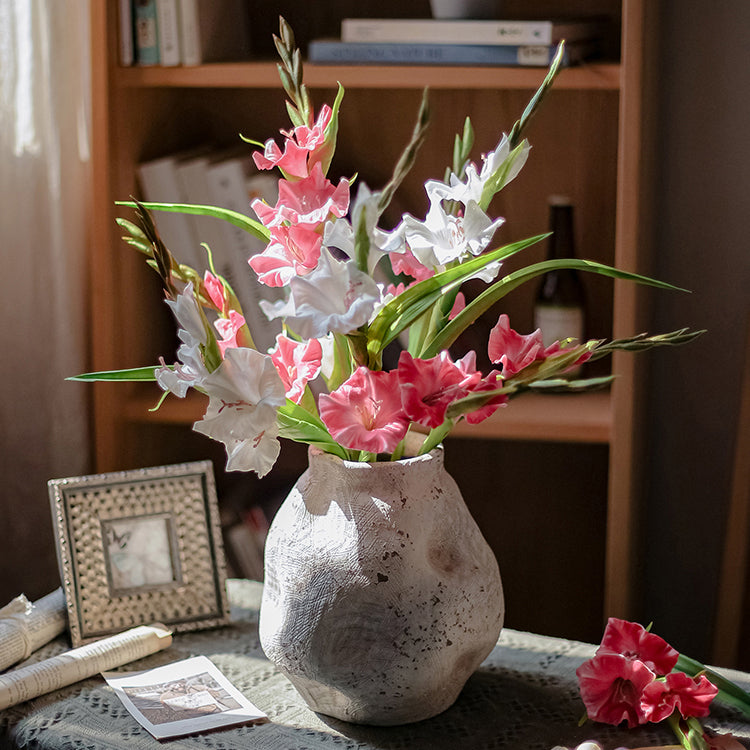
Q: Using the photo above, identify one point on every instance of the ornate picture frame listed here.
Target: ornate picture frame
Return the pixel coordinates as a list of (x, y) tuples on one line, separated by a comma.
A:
[(138, 547)]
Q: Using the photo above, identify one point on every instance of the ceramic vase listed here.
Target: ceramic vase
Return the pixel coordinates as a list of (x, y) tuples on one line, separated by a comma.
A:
[(381, 595)]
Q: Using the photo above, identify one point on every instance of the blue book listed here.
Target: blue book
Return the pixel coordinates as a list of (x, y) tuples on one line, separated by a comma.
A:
[(146, 32), (397, 53)]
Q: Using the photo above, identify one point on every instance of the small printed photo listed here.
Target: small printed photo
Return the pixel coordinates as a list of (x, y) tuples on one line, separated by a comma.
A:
[(140, 552), (187, 698), (183, 698)]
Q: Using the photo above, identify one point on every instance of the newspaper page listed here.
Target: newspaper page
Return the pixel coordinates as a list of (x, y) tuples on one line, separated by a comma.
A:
[(26, 626), (31, 681), (185, 697)]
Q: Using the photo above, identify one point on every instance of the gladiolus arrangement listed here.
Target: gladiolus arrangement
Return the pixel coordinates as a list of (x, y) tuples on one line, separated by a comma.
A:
[(636, 677), (350, 290)]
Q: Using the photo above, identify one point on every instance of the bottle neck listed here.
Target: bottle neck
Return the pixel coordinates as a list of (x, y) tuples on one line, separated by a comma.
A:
[(561, 243)]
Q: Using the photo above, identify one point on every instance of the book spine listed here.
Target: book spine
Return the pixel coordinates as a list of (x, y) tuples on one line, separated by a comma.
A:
[(159, 184), (430, 31), (432, 54), (125, 24), (189, 32), (146, 32), (169, 32)]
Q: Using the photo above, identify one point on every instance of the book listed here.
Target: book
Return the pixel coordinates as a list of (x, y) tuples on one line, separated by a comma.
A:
[(383, 53), (468, 31), (192, 171), (213, 30), (125, 33), (160, 184), (168, 32), (146, 32)]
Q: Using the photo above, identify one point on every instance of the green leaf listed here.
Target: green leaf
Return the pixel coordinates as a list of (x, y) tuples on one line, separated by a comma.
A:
[(403, 310), (295, 423), (444, 338), (138, 374), (233, 217)]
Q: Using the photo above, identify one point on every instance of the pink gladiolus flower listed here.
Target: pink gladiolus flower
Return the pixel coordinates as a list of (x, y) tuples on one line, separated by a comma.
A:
[(491, 383), (633, 641), (215, 290), (292, 251), (228, 329), (458, 305), (406, 263), (365, 412), (513, 350), (310, 200), (612, 689), (690, 696), (299, 150), (297, 363), (429, 386)]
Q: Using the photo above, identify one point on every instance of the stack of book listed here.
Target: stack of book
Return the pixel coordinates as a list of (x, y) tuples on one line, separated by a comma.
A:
[(428, 41), (182, 32), (229, 179)]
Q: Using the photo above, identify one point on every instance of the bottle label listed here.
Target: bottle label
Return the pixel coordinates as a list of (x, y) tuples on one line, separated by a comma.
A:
[(558, 323)]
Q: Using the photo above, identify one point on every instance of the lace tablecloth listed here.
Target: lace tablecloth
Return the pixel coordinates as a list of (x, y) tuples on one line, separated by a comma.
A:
[(524, 697)]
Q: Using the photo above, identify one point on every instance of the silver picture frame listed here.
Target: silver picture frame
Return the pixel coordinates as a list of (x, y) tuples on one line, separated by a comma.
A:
[(140, 546)]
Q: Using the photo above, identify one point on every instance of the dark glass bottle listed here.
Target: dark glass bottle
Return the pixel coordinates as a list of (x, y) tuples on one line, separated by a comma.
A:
[(559, 310)]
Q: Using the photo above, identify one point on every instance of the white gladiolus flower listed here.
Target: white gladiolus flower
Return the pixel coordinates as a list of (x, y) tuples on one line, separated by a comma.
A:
[(245, 392), (443, 238), (339, 233), (190, 371), (335, 297), (496, 170)]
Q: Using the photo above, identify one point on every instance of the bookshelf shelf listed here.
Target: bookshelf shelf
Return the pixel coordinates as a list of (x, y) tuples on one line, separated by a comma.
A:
[(568, 418), (604, 76)]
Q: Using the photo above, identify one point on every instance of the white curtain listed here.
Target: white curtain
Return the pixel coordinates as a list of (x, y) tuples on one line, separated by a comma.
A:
[(44, 205)]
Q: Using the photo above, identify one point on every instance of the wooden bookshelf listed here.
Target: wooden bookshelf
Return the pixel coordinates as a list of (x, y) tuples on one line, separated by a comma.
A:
[(589, 140)]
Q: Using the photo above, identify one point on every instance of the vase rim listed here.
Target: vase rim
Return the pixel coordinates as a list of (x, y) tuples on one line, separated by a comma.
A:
[(436, 454)]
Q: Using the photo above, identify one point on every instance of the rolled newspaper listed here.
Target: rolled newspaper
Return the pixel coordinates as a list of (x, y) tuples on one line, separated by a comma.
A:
[(26, 626), (33, 680)]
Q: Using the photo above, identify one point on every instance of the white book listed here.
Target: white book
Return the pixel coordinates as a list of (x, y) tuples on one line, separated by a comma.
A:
[(125, 27), (465, 31), (213, 30), (192, 174), (169, 32), (233, 181), (160, 184)]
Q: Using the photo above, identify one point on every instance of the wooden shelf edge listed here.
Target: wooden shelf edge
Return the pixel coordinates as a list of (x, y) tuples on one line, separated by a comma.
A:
[(552, 417), (578, 418), (605, 76)]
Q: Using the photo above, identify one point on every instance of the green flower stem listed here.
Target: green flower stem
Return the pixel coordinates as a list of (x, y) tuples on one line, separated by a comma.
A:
[(689, 732), (436, 436)]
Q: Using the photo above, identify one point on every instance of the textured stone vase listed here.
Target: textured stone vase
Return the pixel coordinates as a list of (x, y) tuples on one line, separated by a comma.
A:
[(381, 594)]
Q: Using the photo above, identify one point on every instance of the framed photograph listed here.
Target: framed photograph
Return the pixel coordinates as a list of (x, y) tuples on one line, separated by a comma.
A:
[(138, 547)]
